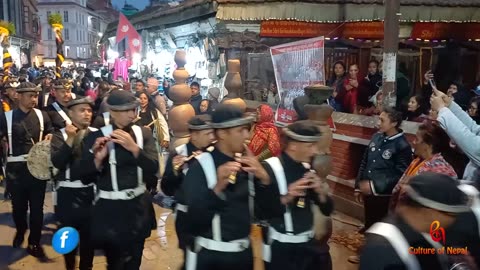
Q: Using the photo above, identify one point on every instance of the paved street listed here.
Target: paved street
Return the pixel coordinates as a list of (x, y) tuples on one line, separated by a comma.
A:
[(160, 253)]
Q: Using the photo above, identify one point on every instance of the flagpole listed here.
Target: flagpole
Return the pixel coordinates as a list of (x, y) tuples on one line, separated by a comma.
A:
[(56, 21)]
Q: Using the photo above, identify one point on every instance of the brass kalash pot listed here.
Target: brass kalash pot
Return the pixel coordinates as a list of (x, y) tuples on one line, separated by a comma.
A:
[(319, 112)]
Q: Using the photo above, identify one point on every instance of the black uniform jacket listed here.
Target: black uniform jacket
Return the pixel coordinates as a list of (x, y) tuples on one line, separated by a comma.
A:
[(121, 222), (268, 202), (384, 162), (378, 253), (203, 203), (25, 128), (171, 185), (170, 182), (57, 120), (73, 203)]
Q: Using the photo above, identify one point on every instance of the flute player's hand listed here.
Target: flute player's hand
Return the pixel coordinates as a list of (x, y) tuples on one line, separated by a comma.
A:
[(223, 172), (251, 165)]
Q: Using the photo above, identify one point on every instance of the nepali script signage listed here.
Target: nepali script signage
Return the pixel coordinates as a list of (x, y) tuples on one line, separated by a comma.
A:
[(297, 29), (296, 65)]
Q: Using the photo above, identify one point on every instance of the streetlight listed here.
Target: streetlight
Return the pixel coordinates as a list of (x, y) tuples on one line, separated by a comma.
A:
[(100, 34)]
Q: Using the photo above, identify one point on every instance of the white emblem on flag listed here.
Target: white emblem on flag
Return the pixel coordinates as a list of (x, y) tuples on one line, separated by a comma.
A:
[(136, 42), (124, 28)]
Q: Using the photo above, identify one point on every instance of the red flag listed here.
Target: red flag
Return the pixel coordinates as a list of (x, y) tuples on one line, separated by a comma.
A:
[(124, 28), (135, 43)]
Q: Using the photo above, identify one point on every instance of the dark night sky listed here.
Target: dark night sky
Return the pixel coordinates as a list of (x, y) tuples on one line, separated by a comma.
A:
[(140, 4)]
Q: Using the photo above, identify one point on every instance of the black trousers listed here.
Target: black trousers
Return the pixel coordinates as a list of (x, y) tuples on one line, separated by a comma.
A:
[(74, 210), (27, 192), (376, 208), (215, 260), (86, 250), (126, 258), (302, 256)]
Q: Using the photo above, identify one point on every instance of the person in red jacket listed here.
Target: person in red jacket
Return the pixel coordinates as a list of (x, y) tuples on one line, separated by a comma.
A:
[(351, 83)]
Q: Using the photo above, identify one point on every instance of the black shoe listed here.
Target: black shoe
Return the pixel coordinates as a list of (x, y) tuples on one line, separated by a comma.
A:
[(36, 251), (18, 240)]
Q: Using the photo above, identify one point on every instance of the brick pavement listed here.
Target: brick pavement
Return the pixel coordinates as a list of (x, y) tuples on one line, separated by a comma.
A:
[(160, 253)]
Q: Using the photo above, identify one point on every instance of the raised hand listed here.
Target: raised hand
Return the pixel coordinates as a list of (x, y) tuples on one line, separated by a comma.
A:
[(100, 150), (223, 172), (125, 139), (71, 130)]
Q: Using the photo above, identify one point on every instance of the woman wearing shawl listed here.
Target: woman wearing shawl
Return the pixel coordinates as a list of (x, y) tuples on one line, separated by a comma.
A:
[(265, 141)]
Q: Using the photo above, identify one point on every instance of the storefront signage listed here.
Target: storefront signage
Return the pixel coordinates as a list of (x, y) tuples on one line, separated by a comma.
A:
[(459, 31), (295, 29)]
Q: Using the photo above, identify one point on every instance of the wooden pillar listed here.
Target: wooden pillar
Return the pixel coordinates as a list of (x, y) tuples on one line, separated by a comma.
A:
[(391, 32)]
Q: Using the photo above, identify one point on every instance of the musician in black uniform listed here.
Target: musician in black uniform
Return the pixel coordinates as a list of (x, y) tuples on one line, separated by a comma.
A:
[(44, 97), (219, 208), (287, 202), (74, 198), (433, 202), (28, 126), (58, 110), (123, 156), (201, 136)]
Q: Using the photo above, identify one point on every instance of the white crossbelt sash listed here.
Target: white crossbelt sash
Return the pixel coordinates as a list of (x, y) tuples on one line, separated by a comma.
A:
[(62, 113), (126, 194)]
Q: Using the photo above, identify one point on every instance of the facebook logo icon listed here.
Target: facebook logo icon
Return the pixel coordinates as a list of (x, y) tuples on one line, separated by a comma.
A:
[(65, 240)]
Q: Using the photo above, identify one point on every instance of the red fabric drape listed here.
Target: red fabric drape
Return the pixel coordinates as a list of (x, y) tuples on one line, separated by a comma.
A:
[(265, 133)]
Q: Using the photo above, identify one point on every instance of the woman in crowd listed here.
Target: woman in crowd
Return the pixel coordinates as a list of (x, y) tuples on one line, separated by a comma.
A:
[(205, 107), (430, 146), (415, 110), (337, 83), (473, 109), (265, 141), (371, 84), (351, 84), (461, 95)]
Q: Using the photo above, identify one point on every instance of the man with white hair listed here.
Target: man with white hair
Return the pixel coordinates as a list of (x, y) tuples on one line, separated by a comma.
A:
[(159, 100)]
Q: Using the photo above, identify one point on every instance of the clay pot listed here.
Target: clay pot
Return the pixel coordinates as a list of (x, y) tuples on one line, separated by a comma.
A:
[(238, 102), (233, 66), (180, 75), (180, 93), (322, 164), (178, 118), (320, 114), (180, 58), (233, 83), (317, 93)]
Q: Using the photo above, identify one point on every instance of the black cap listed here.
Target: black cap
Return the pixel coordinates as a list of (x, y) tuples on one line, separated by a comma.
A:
[(122, 101), (437, 191), (303, 131), (80, 100), (25, 87), (200, 122), (228, 116)]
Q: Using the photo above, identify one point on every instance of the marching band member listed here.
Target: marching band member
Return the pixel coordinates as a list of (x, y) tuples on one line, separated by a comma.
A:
[(201, 136), (75, 199), (24, 127), (9, 100), (287, 202), (58, 109), (44, 98), (122, 156), (217, 188)]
